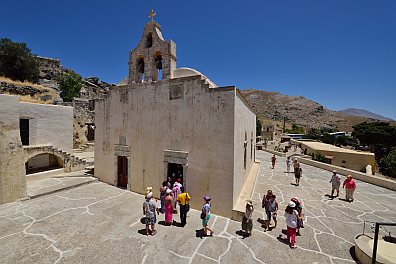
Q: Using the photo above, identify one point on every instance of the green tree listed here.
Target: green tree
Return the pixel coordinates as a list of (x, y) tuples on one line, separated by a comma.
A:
[(17, 61), (313, 133), (296, 130), (70, 84), (375, 133), (389, 163), (258, 127)]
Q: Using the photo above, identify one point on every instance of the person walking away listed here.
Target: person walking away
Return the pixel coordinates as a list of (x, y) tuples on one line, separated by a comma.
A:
[(175, 193), (350, 186), (163, 189), (247, 220), (335, 184), (288, 164), (149, 210), (291, 216), (273, 160), (205, 215), (299, 209), (168, 207), (184, 202)]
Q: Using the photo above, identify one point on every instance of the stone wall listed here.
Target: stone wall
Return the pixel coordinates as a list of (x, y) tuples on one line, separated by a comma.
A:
[(83, 120), (12, 167), (244, 139), (179, 119), (49, 69)]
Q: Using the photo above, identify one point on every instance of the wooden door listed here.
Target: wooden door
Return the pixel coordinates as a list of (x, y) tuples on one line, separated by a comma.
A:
[(122, 171)]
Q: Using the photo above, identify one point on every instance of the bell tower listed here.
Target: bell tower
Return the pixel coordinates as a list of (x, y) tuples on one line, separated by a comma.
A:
[(154, 58)]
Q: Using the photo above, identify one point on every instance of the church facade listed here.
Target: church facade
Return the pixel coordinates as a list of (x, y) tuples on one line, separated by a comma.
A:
[(173, 122)]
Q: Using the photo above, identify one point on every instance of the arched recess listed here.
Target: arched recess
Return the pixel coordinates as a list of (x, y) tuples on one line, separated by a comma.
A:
[(140, 69), (149, 40), (157, 66), (43, 162)]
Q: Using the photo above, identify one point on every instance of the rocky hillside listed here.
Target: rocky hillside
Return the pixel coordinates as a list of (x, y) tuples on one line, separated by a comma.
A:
[(364, 113), (299, 110)]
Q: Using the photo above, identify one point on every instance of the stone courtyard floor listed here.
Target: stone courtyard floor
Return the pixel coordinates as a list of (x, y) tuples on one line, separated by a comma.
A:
[(98, 223)]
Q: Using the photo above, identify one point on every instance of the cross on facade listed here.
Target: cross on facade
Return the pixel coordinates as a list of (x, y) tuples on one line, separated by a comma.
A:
[(152, 15)]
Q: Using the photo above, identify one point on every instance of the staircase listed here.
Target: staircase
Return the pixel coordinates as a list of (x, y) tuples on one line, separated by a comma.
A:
[(70, 162)]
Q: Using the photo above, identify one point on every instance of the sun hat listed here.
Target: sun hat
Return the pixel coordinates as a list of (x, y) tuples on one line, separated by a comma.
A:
[(206, 198), (334, 171), (249, 202), (168, 190), (149, 195), (349, 176), (291, 204)]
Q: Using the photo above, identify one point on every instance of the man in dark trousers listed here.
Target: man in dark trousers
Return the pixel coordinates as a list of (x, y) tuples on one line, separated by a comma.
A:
[(184, 202)]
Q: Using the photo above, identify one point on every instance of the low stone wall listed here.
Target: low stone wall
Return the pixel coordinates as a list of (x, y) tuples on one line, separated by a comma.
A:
[(274, 152), (379, 181)]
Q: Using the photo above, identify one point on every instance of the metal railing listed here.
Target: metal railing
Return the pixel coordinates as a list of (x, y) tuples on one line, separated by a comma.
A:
[(376, 233)]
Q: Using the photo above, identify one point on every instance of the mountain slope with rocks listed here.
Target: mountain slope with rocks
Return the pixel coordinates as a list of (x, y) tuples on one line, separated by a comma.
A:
[(300, 111)]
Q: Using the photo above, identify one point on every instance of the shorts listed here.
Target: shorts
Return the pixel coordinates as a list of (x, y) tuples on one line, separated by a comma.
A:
[(269, 214), (206, 220), (150, 220)]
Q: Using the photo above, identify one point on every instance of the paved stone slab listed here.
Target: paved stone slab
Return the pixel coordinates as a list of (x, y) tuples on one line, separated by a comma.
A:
[(40, 187), (98, 223)]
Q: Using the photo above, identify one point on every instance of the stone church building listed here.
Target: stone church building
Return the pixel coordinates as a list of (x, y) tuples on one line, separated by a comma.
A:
[(174, 122)]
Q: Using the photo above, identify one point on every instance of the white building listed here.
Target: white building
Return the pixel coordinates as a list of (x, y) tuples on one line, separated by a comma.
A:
[(169, 122)]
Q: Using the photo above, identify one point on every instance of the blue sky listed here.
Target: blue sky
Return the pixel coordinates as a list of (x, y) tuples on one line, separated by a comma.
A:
[(340, 53)]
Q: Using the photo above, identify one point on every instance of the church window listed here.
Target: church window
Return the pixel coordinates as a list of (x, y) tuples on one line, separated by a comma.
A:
[(149, 40)]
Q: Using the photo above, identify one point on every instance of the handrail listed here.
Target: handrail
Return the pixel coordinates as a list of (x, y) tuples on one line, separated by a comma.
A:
[(377, 226)]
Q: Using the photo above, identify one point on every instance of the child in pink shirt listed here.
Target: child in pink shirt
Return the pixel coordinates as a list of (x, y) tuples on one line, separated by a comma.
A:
[(350, 185)]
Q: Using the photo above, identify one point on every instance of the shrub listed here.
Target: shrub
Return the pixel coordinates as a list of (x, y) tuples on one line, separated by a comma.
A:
[(389, 163), (17, 61), (70, 84)]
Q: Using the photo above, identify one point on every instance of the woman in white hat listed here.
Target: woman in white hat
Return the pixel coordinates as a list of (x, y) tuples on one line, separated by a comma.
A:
[(335, 184), (291, 216), (168, 207)]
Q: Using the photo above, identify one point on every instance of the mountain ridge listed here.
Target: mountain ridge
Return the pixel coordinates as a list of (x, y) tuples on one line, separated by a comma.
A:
[(271, 105), (364, 113)]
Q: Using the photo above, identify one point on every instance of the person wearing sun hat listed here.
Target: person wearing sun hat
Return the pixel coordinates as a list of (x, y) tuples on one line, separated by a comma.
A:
[(291, 216), (335, 184), (205, 215), (149, 210), (247, 220), (168, 207)]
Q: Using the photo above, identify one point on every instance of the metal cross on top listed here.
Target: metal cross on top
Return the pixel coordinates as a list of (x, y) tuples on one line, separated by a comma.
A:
[(152, 15)]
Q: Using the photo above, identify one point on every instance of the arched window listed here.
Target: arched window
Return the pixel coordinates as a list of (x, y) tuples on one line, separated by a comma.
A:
[(244, 152), (149, 40), (157, 67), (251, 146), (140, 69)]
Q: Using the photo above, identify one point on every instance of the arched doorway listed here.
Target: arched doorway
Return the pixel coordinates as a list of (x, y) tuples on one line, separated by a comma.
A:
[(43, 162)]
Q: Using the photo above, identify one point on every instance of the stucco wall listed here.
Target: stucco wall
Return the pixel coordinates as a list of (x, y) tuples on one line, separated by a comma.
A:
[(245, 124), (354, 161), (12, 171), (200, 121), (49, 124)]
